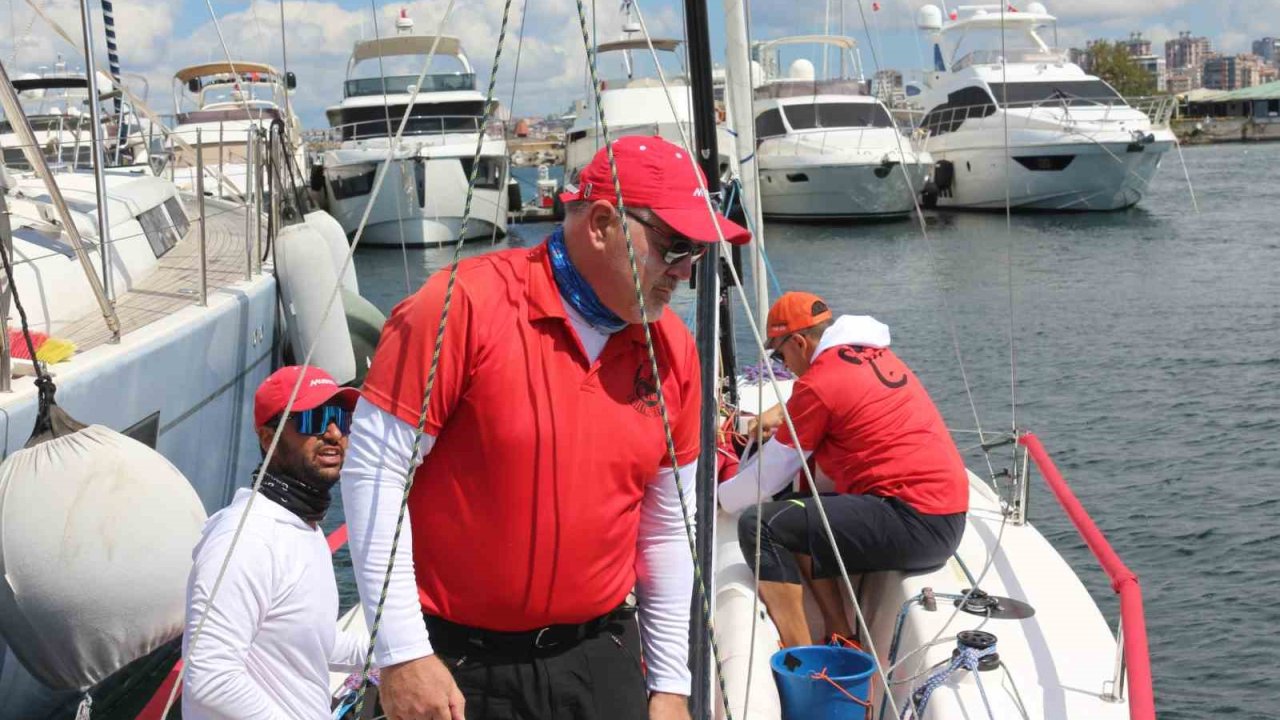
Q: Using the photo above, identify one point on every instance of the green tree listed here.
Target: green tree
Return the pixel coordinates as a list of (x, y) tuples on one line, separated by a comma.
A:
[(1111, 62)]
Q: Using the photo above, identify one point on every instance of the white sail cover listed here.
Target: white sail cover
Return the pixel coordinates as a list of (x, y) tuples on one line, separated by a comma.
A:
[(96, 532)]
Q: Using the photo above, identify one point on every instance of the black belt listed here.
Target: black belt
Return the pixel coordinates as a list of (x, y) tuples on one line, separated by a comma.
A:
[(453, 638)]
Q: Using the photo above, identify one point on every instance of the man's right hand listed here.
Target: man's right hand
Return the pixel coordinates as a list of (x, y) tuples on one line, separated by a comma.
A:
[(421, 689), (766, 424)]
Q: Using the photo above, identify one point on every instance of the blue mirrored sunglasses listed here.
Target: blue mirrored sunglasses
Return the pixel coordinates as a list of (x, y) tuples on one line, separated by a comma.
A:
[(316, 421)]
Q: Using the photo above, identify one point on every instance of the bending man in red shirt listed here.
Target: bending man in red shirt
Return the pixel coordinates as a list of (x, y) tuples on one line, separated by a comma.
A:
[(894, 486), (546, 494)]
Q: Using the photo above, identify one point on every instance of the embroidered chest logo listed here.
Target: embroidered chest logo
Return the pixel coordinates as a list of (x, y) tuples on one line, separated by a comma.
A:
[(856, 355), (645, 389)]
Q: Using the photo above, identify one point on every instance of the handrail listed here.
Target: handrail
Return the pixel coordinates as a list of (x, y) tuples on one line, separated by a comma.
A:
[(1133, 622), (154, 709), (13, 109), (1158, 109)]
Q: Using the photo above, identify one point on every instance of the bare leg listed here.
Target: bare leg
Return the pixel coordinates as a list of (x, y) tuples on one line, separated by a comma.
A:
[(785, 602), (830, 601)]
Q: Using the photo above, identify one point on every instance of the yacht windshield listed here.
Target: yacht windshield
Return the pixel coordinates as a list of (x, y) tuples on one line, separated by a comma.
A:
[(399, 73), (237, 94), (837, 115), (1064, 92)]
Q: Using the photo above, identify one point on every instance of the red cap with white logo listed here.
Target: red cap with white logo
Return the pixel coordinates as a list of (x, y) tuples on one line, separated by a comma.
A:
[(660, 176), (318, 388)]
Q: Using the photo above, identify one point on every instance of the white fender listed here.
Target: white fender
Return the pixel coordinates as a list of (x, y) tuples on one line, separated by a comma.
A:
[(734, 599), (336, 239), (304, 269), (96, 533)]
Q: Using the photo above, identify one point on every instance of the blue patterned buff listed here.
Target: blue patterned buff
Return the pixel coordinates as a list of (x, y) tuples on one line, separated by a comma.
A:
[(575, 289)]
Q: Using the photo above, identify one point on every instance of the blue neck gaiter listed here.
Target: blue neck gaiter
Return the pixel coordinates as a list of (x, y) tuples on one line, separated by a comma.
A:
[(575, 289)]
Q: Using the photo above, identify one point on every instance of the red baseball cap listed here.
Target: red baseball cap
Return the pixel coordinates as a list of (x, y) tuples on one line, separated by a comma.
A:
[(318, 388), (657, 175), (793, 312)]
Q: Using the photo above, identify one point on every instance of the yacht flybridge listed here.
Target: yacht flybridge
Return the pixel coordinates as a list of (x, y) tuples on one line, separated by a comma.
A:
[(215, 106), (423, 195), (1011, 119), (826, 149)]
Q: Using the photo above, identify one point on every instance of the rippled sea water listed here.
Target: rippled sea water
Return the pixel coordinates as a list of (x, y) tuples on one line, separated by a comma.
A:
[(1146, 351)]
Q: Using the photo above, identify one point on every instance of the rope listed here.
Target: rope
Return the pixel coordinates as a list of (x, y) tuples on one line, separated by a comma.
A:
[(700, 585), (440, 331), (824, 676), (967, 658)]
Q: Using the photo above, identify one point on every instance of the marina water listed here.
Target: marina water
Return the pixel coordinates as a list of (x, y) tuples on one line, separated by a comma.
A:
[(1147, 357)]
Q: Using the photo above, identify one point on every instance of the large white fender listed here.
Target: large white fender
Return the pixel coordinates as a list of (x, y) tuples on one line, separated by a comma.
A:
[(332, 232), (96, 532), (739, 660), (305, 271)]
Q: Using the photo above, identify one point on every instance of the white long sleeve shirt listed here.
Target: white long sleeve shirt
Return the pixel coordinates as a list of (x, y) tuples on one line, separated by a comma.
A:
[(271, 636), (373, 478)]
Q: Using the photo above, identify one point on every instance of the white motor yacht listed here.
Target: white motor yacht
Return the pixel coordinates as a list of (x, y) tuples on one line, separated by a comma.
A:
[(634, 101), (56, 107), (423, 196), (826, 149), (1025, 126), (216, 105)]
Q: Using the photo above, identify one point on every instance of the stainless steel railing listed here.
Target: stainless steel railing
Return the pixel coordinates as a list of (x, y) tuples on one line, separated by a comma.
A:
[(1064, 113)]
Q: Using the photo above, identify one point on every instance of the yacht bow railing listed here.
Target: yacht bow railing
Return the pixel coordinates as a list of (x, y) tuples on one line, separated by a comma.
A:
[(1133, 660), (418, 126), (1066, 113)]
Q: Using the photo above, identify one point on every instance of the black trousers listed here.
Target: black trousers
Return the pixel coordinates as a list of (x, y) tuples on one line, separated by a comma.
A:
[(597, 678), (872, 533)]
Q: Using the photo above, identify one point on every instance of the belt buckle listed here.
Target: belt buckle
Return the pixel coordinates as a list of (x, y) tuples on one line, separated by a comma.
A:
[(538, 643)]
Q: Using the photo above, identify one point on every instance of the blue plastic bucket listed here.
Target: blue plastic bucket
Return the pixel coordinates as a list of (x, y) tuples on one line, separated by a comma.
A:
[(805, 697)]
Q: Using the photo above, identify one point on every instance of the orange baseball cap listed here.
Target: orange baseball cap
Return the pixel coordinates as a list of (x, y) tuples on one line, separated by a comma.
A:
[(795, 311)]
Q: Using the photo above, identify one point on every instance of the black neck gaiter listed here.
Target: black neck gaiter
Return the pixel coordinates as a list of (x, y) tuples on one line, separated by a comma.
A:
[(306, 501)]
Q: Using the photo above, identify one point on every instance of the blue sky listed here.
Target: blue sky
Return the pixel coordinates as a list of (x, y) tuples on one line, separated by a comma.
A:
[(159, 36)]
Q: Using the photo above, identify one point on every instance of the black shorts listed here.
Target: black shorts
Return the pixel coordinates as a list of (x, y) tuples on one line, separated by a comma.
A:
[(872, 533)]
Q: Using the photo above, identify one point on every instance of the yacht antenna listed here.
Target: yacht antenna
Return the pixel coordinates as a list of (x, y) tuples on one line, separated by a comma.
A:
[(96, 144)]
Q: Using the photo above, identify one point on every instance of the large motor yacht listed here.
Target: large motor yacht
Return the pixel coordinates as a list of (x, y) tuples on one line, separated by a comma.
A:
[(423, 196), (216, 105), (1012, 121), (826, 149)]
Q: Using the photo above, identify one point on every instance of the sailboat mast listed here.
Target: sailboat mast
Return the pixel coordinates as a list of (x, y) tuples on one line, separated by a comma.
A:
[(96, 142), (698, 43)]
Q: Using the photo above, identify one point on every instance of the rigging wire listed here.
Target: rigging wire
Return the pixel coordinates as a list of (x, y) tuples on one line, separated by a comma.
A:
[(440, 331), (737, 285), (948, 313), (386, 112), (275, 439), (700, 582)]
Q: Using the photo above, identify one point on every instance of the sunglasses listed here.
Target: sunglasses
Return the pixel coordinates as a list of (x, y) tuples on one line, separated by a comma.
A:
[(316, 421), (678, 247), (776, 352)]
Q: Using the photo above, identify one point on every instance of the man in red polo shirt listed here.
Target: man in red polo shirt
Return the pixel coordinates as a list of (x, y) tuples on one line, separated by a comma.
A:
[(900, 490), (545, 493)]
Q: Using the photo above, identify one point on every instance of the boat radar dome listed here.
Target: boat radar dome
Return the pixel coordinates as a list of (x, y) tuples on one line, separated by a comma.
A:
[(404, 23), (1036, 8), (800, 70), (929, 17)]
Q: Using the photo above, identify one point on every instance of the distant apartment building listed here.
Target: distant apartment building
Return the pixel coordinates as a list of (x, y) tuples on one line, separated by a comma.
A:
[(1268, 48), (1139, 48), (1186, 51), (1233, 72), (1137, 45), (1079, 57), (1182, 81)]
